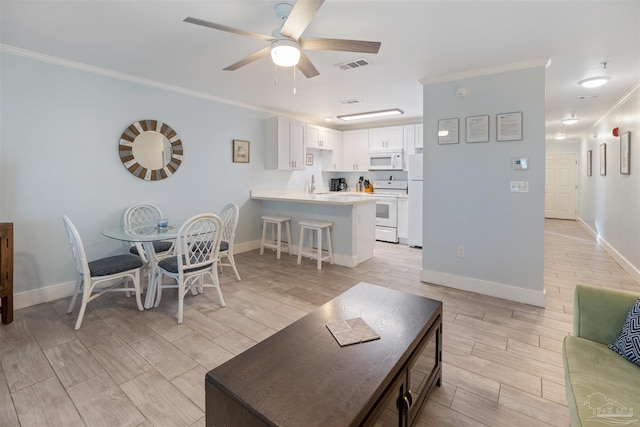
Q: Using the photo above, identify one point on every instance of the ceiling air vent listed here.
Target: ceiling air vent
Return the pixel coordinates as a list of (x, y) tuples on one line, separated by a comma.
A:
[(350, 101), (356, 63)]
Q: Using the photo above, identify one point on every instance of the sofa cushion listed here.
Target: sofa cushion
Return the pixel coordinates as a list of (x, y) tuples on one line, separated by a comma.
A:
[(627, 344), (599, 382)]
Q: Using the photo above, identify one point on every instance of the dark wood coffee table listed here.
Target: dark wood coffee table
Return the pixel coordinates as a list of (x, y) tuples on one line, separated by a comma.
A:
[(300, 376)]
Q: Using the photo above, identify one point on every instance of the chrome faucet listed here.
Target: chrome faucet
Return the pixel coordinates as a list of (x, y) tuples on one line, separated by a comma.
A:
[(312, 187)]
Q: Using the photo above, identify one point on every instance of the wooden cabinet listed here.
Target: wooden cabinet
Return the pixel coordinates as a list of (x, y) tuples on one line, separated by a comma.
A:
[(285, 144), (385, 382), (6, 272), (320, 138), (355, 150), (386, 137), (403, 220)]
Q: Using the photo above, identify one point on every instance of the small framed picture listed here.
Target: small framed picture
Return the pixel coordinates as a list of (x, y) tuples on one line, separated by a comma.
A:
[(589, 155), (509, 126), (240, 151), (603, 159), (624, 153), (309, 160), (448, 131), (478, 129)]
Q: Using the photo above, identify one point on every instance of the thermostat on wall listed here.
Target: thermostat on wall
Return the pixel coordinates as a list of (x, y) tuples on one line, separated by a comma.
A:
[(520, 163)]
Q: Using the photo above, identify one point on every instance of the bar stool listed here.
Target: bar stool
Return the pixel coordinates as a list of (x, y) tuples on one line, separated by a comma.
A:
[(318, 253), (276, 236)]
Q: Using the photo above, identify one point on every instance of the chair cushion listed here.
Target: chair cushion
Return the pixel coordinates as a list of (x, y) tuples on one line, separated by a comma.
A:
[(224, 246), (114, 264), (170, 265), (627, 344), (158, 247)]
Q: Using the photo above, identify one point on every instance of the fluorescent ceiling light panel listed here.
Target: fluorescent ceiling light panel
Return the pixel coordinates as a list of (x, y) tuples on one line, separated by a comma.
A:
[(371, 114)]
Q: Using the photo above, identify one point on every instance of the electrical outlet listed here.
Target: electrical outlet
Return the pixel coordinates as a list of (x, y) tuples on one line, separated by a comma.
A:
[(460, 252)]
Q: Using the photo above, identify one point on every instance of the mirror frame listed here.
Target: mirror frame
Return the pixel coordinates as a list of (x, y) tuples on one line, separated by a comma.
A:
[(125, 148)]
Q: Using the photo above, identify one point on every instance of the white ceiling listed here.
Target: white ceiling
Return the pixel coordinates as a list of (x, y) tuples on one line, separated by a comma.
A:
[(421, 41)]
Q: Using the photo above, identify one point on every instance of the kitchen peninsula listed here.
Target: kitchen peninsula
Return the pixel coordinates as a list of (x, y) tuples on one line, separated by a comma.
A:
[(352, 215)]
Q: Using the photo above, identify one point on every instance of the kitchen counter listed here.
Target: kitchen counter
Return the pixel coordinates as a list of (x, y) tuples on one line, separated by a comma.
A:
[(353, 216), (333, 198)]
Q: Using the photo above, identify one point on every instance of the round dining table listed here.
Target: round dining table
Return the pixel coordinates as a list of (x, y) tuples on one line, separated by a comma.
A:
[(145, 235)]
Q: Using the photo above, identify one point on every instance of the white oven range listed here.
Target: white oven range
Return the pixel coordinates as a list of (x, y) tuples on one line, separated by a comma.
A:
[(387, 193)]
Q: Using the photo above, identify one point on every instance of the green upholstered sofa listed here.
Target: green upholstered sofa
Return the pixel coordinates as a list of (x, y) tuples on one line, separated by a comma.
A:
[(602, 387)]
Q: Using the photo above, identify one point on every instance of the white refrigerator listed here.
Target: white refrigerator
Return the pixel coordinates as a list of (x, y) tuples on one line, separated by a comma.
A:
[(415, 200)]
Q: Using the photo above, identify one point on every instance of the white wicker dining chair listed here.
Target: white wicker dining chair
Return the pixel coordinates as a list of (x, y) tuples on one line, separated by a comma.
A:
[(101, 275), (146, 214), (229, 216), (197, 247)]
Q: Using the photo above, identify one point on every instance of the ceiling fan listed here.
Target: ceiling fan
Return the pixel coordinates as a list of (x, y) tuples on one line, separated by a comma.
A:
[(287, 47)]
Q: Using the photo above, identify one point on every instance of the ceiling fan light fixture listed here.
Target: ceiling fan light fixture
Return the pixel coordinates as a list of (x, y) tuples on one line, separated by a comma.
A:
[(371, 114), (285, 52), (594, 81)]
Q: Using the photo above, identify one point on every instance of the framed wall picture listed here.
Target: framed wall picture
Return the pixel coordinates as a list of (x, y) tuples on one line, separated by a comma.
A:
[(241, 151), (589, 155), (448, 131), (603, 159), (625, 139), (509, 126), (309, 160), (478, 129)]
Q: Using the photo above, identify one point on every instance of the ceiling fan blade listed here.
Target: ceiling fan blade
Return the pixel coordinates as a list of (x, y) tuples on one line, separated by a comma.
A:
[(307, 68), (259, 54), (300, 17), (362, 46), (227, 29)]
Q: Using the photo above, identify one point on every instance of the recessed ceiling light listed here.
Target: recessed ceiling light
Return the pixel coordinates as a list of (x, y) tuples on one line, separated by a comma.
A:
[(371, 114), (570, 121), (594, 81)]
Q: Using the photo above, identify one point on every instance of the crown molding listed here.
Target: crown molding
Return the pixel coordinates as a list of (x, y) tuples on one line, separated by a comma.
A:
[(540, 62), (12, 50)]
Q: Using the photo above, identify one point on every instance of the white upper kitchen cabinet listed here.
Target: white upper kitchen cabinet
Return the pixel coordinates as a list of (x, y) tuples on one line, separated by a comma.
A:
[(386, 137), (332, 159), (320, 138), (355, 150), (285, 144), (418, 140), (412, 138)]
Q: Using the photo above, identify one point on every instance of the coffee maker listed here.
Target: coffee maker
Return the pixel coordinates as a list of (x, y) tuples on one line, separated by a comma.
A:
[(338, 184)]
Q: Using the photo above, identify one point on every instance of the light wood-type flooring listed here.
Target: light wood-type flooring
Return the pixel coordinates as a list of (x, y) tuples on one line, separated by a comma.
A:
[(502, 363)]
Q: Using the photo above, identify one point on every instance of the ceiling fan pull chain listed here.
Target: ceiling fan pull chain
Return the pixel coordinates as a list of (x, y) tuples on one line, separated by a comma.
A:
[(294, 79), (275, 75)]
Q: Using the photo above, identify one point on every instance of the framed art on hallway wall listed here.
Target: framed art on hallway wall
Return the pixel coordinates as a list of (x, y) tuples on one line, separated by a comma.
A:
[(589, 155), (624, 153)]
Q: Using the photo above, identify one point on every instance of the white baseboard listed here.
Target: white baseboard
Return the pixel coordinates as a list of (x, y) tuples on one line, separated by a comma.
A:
[(485, 287), (42, 295), (617, 256)]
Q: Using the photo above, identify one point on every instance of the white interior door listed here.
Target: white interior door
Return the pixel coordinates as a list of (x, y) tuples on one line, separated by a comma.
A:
[(560, 186)]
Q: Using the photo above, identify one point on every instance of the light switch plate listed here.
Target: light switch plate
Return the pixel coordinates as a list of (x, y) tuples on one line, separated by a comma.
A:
[(519, 186)]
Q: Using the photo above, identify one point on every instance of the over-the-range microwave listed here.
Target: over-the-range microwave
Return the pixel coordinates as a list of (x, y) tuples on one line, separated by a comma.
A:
[(386, 159)]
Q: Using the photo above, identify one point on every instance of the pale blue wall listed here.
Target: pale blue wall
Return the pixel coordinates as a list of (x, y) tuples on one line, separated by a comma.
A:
[(610, 204), (59, 154), (467, 188)]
